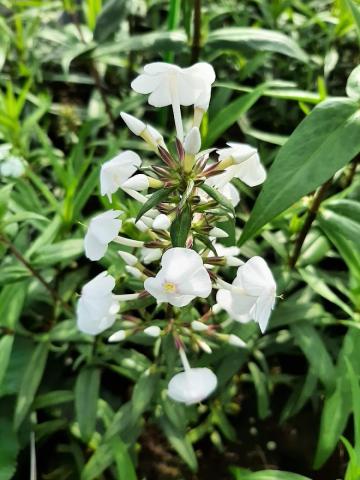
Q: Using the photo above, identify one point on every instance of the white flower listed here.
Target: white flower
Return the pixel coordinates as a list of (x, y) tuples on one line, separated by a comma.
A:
[(244, 164), (153, 331), (181, 278), (12, 167), (252, 293), (102, 230), (169, 84), (97, 306), (192, 386), (115, 172)]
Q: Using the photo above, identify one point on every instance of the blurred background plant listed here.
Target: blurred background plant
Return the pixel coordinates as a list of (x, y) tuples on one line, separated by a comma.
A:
[(73, 408)]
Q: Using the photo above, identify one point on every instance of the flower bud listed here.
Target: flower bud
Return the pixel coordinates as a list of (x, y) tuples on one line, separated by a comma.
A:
[(218, 233), (204, 346), (150, 255), (117, 336), (192, 141), (153, 331), (135, 272), (155, 134), (133, 124), (128, 258), (140, 225), (198, 326), (232, 261), (161, 222), (137, 182), (147, 220), (236, 341)]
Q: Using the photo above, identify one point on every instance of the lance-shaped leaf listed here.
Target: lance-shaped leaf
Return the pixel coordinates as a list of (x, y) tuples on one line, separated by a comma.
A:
[(86, 397), (324, 142), (154, 200), (180, 227)]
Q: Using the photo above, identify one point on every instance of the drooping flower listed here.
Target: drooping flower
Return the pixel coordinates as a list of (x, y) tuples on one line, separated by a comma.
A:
[(102, 230), (182, 278), (252, 293), (192, 385), (169, 84), (115, 172), (97, 307)]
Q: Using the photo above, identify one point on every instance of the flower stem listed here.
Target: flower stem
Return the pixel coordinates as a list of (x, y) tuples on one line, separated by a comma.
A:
[(310, 217), (184, 360), (196, 41)]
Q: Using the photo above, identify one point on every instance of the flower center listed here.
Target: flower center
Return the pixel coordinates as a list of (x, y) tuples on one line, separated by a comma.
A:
[(169, 287)]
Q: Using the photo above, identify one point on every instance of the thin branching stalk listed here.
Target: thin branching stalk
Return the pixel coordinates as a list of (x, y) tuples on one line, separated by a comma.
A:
[(310, 217)]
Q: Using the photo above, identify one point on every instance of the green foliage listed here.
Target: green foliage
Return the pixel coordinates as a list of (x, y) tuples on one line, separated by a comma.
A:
[(282, 70)]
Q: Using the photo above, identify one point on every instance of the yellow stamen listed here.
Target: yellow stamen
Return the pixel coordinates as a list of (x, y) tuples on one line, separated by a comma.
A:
[(169, 287)]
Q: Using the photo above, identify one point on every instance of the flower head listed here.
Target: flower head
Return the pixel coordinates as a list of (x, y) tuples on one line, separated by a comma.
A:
[(97, 307), (115, 172), (169, 84), (192, 386), (102, 230), (181, 278), (252, 293)]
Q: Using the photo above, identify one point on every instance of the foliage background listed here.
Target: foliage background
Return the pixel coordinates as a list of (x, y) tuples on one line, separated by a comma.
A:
[(84, 409)]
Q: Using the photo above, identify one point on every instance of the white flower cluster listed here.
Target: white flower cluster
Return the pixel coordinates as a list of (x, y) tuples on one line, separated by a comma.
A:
[(181, 227)]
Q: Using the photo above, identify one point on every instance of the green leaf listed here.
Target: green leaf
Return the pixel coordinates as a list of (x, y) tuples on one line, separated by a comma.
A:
[(30, 382), (180, 442), (180, 227), (353, 84), (241, 474), (124, 465), (12, 299), (314, 349), (230, 114), (9, 448), (245, 38), (154, 200), (218, 197), (5, 193), (6, 344), (86, 397), (305, 161), (337, 406), (261, 388), (349, 228), (355, 10), (66, 250), (109, 20)]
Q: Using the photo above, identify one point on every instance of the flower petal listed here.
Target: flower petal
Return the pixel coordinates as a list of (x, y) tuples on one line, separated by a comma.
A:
[(192, 386)]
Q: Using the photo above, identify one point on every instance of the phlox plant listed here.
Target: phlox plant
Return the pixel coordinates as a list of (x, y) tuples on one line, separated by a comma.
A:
[(183, 198)]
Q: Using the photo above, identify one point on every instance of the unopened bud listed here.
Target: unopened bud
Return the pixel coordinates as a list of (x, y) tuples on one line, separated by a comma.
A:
[(135, 272), (192, 141), (218, 233), (155, 134), (147, 220), (161, 222), (137, 182), (236, 341), (140, 225), (133, 124), (153, 331), (204, 346), (117, 336), (151, 255), (231, 261), (128, 258), (198, 326)]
